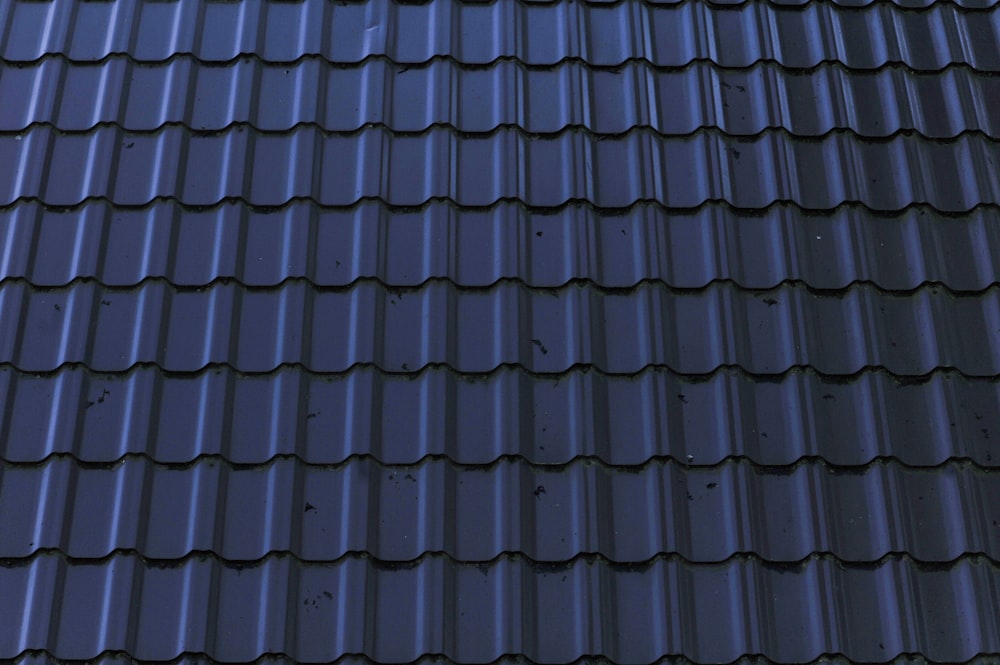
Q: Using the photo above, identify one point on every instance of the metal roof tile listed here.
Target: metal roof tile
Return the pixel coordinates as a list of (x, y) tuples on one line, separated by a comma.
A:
[(476, 248), (670, 34), (315, 613), (471, 330), (471, 419), (280, 97), (479, 170), (548, 513)]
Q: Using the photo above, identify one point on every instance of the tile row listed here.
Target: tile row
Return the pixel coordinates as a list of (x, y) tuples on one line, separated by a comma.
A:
[(279, 97), (548, 514), (399, 247), (666, 34), (316, 613), (267, 169), (479, 330), (404, 418)]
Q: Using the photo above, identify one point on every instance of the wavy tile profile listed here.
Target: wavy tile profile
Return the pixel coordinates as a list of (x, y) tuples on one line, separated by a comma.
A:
[(401, 419), (477, 248), (474, 514), (799, 34), (280, 97), (478, 613), (43, 658), (480, 170), (478, 331)]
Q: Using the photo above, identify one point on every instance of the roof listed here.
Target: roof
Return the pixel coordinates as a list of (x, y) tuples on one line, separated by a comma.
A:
[(462, 332)]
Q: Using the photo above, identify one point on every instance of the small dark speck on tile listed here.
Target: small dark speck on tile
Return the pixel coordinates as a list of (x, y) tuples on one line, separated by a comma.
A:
[(329, 596), (410, 477), (406, 367), (540, 490), (106, 302), (541, 347), (771, 302), (764, 434), (130, 145), (920, 498), (563, 578), (404, 69), (309, 507), (690, 497), (828, 396), (711, 486), (58, 308), (312, 414), (682, 397), (986, 433), (977, 416), (538, 233)]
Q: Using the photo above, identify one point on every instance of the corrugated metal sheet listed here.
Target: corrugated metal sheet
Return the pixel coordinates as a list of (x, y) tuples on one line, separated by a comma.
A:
[(511, 332)]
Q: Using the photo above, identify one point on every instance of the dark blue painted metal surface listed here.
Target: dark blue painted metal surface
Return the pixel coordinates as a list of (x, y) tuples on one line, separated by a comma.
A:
[(513, 332)]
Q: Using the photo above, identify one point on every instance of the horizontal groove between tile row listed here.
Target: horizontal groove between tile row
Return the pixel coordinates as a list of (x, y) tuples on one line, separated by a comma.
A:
[(587, 559), (641, 205), (188, 247), (66, 169), (476, 613), (581, 130), (543, 34), (480, 330), (476, 515), (278, 98), (404, 418), (401, 290), (42, 657)]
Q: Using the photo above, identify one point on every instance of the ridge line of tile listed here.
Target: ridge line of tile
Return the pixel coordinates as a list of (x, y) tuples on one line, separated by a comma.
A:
[(585, 283), (904, 658), (512, 128), (413, 373), (588, 558), (519, 459), (566, 61), (569, 203)]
